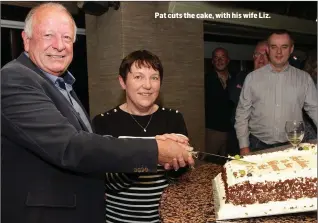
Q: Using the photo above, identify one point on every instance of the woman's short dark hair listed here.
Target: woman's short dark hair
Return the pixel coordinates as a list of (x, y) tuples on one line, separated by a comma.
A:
[(141, 58)]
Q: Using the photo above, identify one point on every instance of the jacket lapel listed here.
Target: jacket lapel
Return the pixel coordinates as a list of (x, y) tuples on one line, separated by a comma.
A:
[(23, 59), (74, 95)]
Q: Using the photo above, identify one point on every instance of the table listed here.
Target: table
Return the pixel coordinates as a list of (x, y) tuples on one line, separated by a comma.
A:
[(190, 200)]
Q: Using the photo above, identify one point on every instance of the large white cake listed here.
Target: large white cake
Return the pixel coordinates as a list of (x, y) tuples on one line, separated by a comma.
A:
[(277, 183)]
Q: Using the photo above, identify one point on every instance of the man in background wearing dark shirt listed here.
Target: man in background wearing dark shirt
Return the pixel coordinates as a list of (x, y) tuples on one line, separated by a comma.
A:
[(217, 104)]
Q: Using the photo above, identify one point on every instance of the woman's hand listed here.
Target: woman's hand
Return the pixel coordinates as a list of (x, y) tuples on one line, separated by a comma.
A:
[(183, 141), (175, 137)]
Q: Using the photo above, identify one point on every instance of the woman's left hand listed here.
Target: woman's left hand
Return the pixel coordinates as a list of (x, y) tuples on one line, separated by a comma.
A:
[(175, 137)]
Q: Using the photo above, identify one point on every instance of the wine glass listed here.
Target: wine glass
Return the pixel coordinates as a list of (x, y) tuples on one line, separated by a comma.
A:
[(295, 132)]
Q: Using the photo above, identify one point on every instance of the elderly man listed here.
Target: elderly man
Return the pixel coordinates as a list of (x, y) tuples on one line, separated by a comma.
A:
[(52, 164), (260, 59), (273, 95), (218, 106)]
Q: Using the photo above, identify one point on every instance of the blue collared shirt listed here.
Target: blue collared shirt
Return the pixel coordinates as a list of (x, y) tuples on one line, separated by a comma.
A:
[(64, 85)]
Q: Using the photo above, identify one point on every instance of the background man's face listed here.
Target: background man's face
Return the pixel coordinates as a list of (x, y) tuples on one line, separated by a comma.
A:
[(260, 56), (280, 48), (220, 60)]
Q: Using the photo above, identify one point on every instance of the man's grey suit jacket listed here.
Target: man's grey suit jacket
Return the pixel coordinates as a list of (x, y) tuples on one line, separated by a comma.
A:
[(52, 168)]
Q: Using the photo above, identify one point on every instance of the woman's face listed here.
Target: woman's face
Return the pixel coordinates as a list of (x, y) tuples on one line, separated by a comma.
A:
[(142, 87)]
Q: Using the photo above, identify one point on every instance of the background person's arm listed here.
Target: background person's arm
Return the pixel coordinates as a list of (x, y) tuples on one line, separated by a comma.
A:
[(242, 115)]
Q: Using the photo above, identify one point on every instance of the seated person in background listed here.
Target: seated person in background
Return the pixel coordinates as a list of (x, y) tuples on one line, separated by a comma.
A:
[(260, 59), (135, 197), (311, 68), (272, 95)]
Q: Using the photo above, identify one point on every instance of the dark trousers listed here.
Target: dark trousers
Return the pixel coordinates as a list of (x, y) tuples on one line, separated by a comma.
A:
[(215, 143), (257, 145), (233, 147)]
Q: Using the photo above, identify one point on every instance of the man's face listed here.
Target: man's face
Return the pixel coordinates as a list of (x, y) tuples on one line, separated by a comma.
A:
[(220, 60), (260, 56), (142, 86), (280, 48), (51, 44)]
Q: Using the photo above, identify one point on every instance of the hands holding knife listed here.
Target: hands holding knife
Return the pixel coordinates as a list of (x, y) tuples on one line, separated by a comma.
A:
[(174, 151)]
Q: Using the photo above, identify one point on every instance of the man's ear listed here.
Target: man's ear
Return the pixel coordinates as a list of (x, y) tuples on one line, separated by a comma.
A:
[(292, 49), (228, 60), (122, 82), (267, 49), (26, 41)]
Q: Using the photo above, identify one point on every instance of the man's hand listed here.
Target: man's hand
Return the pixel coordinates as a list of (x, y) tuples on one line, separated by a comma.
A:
[(172, 153), (175, 137), (244, 151)]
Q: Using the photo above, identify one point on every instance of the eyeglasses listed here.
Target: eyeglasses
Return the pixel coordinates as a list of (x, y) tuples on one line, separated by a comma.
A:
[(258, 54)]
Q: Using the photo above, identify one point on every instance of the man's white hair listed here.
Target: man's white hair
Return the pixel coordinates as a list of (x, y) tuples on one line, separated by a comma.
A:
[(28, 26)]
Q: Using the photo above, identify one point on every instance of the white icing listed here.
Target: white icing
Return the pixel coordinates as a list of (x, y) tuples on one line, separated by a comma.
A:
[(225, 211), (298, 163)]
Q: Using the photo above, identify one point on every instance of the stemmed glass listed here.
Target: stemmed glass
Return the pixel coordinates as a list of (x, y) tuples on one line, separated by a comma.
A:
[(295, 132)]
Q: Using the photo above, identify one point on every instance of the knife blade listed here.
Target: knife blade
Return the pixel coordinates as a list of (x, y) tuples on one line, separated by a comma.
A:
[(195, 155)]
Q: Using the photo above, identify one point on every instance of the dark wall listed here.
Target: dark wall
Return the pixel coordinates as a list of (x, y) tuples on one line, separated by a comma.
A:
[(79, 70)]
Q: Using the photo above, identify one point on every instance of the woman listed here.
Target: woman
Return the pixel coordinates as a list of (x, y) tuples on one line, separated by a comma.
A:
[(135, 197)]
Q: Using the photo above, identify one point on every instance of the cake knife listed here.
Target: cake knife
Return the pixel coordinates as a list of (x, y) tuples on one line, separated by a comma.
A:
[(195, 155)]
